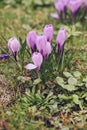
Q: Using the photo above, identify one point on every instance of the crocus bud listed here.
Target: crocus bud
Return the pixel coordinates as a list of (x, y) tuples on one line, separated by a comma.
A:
[(37, 60), (14, 46), (41, 43), (48, 32), (48, 50), (31, 40), (59, 5), (61, 37), (74, 6), (43, 46)]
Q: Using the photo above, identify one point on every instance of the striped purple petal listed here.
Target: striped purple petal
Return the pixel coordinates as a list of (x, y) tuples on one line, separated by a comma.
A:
[(4, 56)]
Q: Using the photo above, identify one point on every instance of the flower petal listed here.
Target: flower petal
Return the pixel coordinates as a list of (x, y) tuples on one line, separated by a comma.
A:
[(55, 15), (4, 56), (37, 59), (30, 66)]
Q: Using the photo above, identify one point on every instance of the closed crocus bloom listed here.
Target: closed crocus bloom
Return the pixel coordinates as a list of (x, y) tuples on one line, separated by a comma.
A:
[(41, 43), (37, 60), (74, 6), (14, 46), (48, 50), (65, 2), (61, 37), (59, 5), (31, 40), (48, 32)]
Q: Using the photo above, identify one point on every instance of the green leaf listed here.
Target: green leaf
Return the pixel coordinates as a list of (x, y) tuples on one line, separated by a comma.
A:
[(62, 96), (72, 81), (67, 74), (21, 78), (85, 79), (77, 74), (60, 81), (84, 95), (77, 101), (69, 87), (86, 85), (37, 81), (86, 98)]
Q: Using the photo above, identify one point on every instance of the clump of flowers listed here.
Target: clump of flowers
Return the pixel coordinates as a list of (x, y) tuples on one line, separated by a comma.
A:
[(41, 48), (74, 7)]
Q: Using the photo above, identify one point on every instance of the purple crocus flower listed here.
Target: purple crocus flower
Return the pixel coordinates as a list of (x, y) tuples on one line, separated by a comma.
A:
[(48, 32), (4, 56), (74, 6), (59, 5), (43, 46), (48, 50), (14, 46), (37, 59), (31, 40), (61, 37), (65, 2)]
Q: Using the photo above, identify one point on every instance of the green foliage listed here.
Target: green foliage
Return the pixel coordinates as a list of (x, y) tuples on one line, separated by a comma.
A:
[(54, 100), (72, 83)]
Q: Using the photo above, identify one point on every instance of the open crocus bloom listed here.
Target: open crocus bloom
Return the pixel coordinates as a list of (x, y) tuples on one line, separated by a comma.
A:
[(43, 46), (74, 5), (37, 60), (4, 56), (31, 40), (61, 37), (48, 32), (14, 46)]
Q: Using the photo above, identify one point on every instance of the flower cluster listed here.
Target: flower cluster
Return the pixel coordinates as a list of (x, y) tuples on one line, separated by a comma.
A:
[(40, 46), (73, 5)]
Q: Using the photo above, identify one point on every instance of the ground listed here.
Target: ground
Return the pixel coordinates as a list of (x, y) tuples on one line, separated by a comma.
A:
[(25, 101)]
